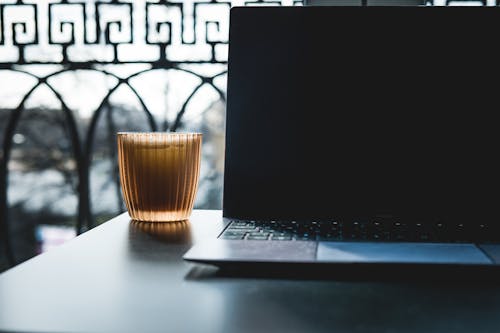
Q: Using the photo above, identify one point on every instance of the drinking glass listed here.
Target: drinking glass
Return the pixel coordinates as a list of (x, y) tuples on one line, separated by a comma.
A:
[(159, 174)]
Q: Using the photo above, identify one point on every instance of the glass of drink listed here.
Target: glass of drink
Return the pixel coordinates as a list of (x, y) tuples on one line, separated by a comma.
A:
[(159, 174)]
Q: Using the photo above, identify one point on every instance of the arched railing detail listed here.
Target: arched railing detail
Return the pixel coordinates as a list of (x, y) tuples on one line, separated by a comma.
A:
[(12, 124)]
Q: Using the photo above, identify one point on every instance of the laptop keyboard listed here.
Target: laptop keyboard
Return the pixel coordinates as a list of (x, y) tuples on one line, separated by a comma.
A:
[(359, 231)]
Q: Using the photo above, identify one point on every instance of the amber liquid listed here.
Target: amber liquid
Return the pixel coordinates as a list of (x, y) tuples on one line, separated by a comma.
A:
[(159, 174)]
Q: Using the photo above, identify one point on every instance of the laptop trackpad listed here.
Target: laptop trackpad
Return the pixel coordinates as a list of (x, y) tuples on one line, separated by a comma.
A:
[(424, 253)]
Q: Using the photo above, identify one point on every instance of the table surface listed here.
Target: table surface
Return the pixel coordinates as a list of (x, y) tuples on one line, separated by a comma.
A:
[(129, 277)]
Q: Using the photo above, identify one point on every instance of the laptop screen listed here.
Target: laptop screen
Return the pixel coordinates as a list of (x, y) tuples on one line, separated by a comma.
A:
[(363, 112)]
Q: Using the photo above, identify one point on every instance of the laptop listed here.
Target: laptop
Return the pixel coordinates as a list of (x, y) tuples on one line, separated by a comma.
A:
[(361, 135)]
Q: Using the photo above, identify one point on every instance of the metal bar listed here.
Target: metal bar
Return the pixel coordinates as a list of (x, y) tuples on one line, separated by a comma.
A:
[(112, 152), (4, 173), (180, 114)]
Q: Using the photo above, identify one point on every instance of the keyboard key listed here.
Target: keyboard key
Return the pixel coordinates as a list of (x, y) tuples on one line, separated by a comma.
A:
[(282, 238), (258, 237), (234, 233), (241, 227), (259, 234), (232, 237)]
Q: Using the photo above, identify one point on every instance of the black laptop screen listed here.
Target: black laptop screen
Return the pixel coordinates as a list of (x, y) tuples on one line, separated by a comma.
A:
[(362, 112)]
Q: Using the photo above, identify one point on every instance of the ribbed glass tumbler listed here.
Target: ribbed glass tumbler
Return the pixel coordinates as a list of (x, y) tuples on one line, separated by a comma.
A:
[(159, 174)]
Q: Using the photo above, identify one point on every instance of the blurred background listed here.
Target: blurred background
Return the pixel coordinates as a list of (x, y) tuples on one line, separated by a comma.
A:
[(73, 73)]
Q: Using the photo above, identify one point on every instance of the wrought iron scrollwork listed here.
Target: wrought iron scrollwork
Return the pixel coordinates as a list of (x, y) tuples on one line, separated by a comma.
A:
[(87, 36)]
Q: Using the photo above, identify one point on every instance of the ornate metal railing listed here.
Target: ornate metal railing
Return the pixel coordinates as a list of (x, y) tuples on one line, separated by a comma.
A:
[(95, 36), (99, 36)]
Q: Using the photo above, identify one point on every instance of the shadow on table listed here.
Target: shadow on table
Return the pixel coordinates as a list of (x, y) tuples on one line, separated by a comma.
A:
[(178, 232), (355, 273), (158, 242)]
